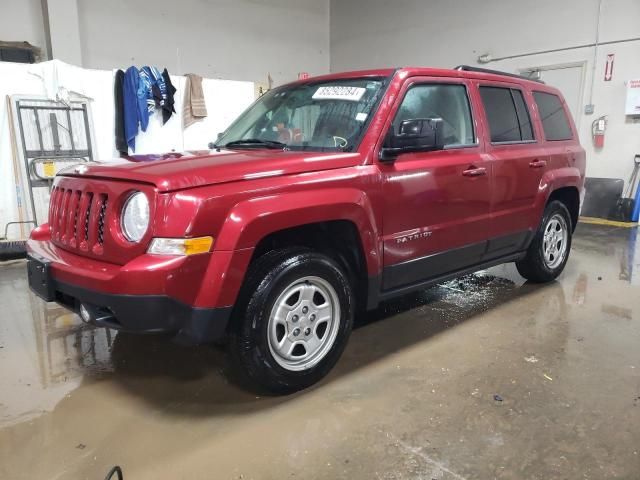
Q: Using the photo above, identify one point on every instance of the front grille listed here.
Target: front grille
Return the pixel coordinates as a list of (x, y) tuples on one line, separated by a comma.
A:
[(77, 219), (84, 218)]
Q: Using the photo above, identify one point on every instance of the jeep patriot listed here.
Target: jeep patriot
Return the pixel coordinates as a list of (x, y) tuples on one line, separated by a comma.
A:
[(325, 197)]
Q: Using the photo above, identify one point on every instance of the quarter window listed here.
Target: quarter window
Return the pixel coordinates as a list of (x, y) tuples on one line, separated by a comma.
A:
[(507, 113), (446, 101), (554, 118)]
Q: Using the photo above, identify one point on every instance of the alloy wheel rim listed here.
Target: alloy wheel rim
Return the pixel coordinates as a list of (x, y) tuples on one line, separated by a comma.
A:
[(554, 243), (304, 323)]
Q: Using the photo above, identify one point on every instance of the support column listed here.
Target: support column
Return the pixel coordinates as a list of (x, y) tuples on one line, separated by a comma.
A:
[(62, 29)]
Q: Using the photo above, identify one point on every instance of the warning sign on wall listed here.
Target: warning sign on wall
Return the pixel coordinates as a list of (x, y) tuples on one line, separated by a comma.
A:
[(632, 106)]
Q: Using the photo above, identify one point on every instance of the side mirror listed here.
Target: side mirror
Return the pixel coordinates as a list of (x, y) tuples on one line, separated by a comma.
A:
[(415, 135), (212, 145)]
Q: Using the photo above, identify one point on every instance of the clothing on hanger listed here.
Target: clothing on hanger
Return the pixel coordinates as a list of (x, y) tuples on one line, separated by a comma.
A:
[(168, 107), (194, 107), (118, 95), (143, 110), (155, 88), (130, 105)]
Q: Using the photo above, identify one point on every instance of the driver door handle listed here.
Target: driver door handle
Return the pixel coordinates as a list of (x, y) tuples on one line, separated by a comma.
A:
[(538, 163), (474, 171)]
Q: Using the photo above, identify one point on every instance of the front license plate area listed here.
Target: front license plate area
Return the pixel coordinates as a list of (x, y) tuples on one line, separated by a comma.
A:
[(39, 275)]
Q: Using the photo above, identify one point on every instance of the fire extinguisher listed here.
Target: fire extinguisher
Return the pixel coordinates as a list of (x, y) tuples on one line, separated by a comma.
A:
[(598, 127)]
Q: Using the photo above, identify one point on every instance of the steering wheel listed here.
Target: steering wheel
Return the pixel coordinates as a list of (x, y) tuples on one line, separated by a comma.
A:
[(290, 135), (336, 131)]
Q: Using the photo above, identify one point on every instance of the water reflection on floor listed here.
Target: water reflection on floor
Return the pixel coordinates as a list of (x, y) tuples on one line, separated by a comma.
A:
[(412, 397)]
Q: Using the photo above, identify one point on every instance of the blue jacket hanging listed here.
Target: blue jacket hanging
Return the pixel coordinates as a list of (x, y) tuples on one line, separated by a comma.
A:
[(144, 90), (130, 99), (155, 88), (143, 112)]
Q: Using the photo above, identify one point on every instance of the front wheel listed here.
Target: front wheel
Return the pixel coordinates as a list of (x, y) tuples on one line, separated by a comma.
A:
[(549, 250), (292, 320)]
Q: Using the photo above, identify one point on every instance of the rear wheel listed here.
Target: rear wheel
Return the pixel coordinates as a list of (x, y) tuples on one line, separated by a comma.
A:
[(292, 320), (549, 250)]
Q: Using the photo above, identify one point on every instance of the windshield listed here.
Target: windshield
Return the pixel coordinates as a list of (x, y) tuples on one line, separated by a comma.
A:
[(319, 116)]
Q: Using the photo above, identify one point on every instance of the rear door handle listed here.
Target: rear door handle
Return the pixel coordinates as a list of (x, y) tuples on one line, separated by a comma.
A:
[(474, 172), (538, 164)]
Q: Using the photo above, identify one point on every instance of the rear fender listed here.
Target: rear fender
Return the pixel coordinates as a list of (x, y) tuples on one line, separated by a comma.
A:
[(553, 180)]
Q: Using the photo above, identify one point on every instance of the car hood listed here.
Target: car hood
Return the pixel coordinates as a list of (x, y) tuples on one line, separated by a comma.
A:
[(195, 170)]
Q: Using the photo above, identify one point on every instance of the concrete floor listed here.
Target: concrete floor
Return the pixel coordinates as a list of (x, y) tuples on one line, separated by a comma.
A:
[(413, 397)]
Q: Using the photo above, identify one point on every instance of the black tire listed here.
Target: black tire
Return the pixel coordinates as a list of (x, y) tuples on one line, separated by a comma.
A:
[(267, 279), (533, 266)]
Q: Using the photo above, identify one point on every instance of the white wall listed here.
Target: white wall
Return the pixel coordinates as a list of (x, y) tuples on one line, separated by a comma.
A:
[(445, 33), (63, 26), (21, 21), (246, 39), (238, 40), (230, 39), (622, 140)]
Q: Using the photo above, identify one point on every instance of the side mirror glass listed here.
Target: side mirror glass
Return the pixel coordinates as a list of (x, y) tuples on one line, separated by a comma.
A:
[(414, 135)]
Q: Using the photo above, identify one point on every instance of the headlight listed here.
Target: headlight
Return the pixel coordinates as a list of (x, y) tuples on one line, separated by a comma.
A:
[(135, 217)]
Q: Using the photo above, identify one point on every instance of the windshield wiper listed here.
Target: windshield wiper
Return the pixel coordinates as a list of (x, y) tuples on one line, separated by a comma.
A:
[(255, 142)]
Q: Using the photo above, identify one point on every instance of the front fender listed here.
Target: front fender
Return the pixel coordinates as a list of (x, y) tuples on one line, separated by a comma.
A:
[(253, 219)]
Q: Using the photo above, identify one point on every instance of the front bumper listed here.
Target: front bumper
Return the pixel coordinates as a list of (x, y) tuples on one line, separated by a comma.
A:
[(137, 313)]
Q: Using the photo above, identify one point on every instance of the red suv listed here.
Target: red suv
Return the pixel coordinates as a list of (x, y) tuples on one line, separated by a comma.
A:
[(327, 196)]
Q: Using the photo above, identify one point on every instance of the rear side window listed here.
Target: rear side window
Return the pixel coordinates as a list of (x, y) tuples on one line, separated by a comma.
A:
[(554, 119), (507, 113)]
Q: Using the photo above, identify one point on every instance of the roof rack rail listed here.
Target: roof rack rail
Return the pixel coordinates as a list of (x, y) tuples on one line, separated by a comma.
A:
[(467, 68)]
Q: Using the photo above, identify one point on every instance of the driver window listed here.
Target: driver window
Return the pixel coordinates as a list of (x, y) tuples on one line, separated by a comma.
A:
[(446, 101)]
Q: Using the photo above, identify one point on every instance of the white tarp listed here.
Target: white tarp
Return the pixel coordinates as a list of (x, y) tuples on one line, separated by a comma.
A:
[(225, 100)]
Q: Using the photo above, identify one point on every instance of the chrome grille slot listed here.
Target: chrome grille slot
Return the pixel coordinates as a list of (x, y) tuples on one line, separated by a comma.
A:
[(74, 222), (87, 215), (101, 218), (64, 215)]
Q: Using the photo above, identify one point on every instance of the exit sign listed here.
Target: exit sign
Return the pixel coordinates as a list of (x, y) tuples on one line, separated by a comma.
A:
[(608, 68)]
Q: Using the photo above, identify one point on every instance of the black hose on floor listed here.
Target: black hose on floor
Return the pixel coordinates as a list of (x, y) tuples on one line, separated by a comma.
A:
[(11, 250), (112, 472)]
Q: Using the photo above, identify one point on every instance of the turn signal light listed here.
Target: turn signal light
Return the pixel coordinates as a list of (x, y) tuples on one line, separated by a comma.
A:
[(180, 246)]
